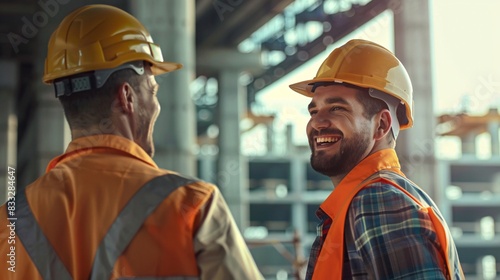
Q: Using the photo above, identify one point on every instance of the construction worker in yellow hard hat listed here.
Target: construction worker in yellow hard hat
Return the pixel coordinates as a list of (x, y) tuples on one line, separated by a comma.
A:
[(376, 224), (103, 209)]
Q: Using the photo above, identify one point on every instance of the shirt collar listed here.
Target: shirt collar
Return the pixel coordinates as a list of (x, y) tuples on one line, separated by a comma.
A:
[(385, 159), (89, 144)]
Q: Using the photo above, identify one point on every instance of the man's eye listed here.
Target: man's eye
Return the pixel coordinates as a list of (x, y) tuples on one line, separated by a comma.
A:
[(313, 112), (336, 108)]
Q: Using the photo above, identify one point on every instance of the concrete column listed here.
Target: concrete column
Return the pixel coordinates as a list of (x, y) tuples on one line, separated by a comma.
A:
[(299, 208), (493, 128), (469, 145), (415, 146), (270, 146), (172, 26), (207, 168), (8, 124), (289, 138), (232, 172), (232, 165)]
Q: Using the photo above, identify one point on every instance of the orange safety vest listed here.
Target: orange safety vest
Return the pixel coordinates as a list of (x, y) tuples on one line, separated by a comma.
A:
[(333, 247), (104, 210), (109, 260)]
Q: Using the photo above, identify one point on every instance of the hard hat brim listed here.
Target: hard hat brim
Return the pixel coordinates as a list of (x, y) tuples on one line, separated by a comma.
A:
[(159, 68), (305, 87)]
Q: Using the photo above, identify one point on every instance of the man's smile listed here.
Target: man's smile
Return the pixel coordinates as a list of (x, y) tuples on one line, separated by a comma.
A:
[(326, 141)]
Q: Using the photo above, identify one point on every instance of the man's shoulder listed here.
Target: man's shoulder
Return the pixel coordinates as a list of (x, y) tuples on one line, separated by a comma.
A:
[(195, 192), (388, 182), (380, 189), (382, 196), (190, 185)]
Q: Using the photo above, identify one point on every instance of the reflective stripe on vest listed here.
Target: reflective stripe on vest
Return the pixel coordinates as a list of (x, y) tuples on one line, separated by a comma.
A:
[(118, 237), (37, 246)]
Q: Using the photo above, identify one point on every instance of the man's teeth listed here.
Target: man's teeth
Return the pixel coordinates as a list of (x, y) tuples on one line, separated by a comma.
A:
[(327, 139)]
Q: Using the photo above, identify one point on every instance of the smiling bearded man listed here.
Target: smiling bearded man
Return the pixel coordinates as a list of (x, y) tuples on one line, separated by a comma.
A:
[(376, 224)]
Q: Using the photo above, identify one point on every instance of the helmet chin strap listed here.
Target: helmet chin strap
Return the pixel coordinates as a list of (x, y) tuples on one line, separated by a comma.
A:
[(392, 103)]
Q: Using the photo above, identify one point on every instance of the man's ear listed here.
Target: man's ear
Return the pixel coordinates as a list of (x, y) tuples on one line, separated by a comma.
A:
[(383, 122), (125, 98)]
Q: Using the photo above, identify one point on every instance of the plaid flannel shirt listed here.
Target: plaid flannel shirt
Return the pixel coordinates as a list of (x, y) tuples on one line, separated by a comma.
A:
[(387, 236)]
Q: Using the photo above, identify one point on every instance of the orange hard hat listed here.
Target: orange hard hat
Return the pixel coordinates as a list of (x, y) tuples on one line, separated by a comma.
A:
[(97, 37), (368, 65)]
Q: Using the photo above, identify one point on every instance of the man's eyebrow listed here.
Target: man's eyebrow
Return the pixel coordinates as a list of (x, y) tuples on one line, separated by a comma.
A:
[(332, 100)]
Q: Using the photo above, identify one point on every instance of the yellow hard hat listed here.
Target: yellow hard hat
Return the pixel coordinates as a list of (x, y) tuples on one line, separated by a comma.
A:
[(97, 37), (368, 65)]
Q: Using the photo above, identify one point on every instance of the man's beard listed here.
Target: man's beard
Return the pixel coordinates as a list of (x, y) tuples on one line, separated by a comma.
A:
[(349, 155)]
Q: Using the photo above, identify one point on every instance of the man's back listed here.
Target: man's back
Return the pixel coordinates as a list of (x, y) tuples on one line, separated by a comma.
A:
[(83, 194)]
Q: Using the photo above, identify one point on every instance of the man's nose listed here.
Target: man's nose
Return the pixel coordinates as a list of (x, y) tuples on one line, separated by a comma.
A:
[(320, 121)]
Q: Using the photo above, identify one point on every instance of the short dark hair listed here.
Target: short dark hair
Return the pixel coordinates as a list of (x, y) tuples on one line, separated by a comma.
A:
[(371, 106), (86, 108)]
